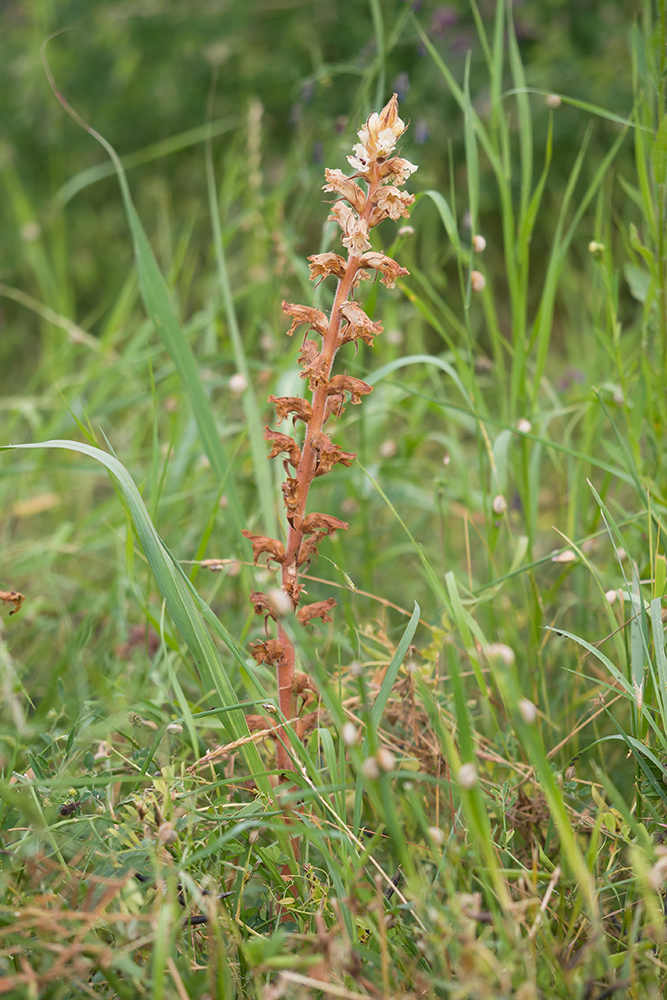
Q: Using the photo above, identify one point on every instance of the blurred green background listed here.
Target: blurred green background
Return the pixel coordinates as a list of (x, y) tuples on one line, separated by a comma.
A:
[(282, 88), (143, 73)]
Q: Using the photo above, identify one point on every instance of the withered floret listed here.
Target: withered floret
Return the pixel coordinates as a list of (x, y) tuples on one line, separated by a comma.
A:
[(337, 181), (315, 319), (304, 686), (270, 651), (283, 442), (285, 405), (323, 264), (290, 490), (387, 267), (313, 363), (261, 544), (308, 549), (328, 453), (323, 523), (346, 383), (359, 326), (320, 609), (262, 605)]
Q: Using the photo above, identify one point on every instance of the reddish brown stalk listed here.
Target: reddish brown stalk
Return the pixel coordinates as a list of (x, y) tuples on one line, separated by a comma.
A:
[(383, 174)]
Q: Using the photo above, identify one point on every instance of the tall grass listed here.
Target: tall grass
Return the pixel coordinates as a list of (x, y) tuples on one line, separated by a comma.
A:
[(481, 803)]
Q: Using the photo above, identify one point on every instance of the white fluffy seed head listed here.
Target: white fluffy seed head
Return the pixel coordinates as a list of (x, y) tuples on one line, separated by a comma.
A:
[(477, 281), (527, 711), (385, 758), (370, 768), (502, 651), (167, 833), (349, 734), (467, 776), (567, 556), (280, 602)]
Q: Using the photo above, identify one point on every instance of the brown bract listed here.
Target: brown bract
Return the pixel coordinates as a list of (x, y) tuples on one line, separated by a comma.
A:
[(328, 453), (12, 597), (323, 523), (313, 363), (323, 264), (305, 687), (283, 442), (387, 267), (308, 549), (290, 491), (320, 609), (260, 544), (315, 319), (285, 405), (262, 605), (270, 651), (359, 326), (337, 181), (346, 383)]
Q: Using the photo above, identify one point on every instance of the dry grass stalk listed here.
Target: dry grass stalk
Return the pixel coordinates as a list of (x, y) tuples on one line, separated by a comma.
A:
[(357, 211)]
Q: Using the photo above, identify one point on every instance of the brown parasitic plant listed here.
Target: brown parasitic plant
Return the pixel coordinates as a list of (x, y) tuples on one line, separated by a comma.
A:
[(357, 211)]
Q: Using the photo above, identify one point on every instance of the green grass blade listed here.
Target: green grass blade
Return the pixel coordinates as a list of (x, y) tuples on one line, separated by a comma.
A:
[(178, 596)]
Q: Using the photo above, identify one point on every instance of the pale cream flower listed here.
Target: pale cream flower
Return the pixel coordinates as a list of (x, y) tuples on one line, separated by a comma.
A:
[(393, 203)]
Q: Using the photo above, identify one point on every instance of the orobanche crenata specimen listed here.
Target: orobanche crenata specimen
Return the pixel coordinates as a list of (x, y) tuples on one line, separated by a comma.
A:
[(367, 197)]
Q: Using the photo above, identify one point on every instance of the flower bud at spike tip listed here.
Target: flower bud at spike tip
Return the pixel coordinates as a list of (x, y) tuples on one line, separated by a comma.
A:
[(374, 192)]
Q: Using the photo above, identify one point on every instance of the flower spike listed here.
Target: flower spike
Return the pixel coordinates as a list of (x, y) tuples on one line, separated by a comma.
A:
[(371, 195)]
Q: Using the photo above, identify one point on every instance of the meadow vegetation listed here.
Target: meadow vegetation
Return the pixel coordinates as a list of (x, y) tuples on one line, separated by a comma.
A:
[(464, 794)]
